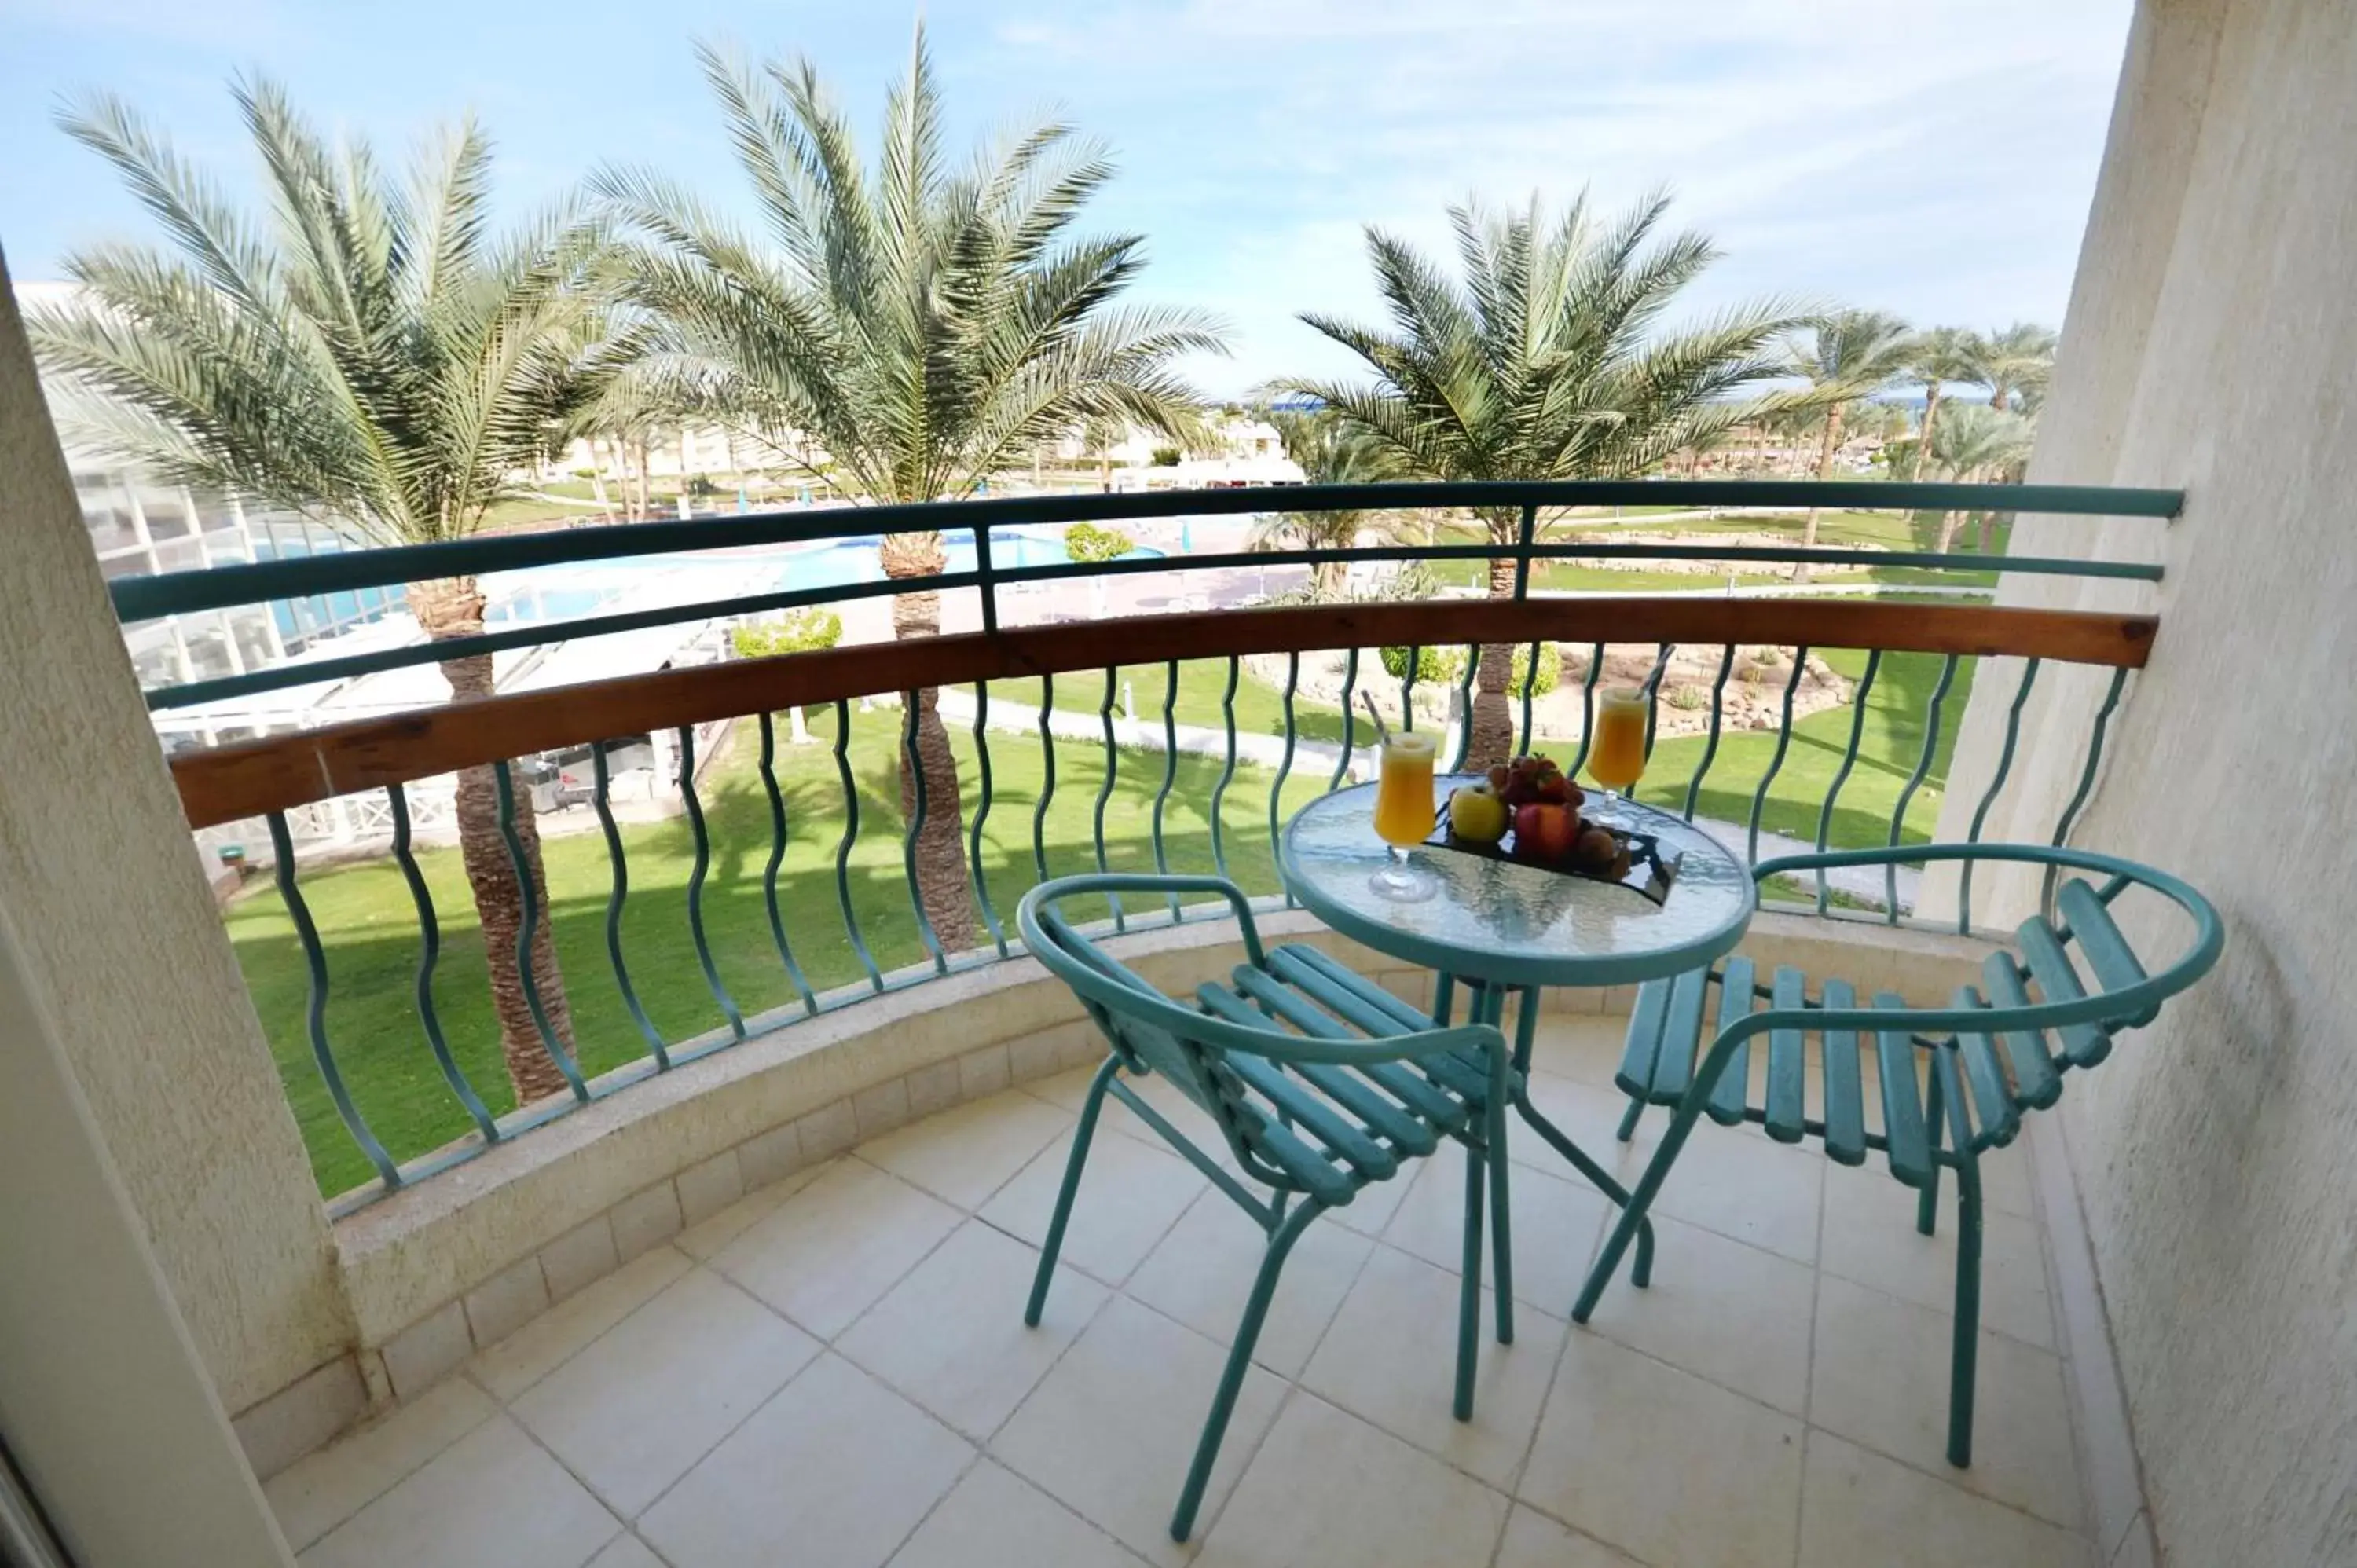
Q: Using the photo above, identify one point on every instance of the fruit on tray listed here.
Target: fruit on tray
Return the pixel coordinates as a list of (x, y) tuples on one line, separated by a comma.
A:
[(1546, 830), (1529, 779), (1477, 815)]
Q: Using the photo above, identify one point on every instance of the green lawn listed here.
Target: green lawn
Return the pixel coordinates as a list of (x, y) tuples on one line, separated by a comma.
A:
[(1889, 531)]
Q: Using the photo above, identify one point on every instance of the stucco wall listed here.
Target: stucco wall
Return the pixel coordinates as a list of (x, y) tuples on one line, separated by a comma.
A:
[(2213, 345), (120, 935)]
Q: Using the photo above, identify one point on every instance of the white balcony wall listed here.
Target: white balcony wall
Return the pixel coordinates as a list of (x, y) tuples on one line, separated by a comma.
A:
[(122, 940), (2212, 345)]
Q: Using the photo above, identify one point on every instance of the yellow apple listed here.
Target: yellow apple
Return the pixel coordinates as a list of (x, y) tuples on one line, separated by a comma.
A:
[(1476, 814)]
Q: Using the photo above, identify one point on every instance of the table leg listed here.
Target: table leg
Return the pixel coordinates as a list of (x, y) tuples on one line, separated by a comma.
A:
[(1493, 1138), (1643, 1272), (1444, 998)]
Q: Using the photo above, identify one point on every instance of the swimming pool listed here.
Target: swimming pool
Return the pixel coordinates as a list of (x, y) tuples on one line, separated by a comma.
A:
[(580, 588)]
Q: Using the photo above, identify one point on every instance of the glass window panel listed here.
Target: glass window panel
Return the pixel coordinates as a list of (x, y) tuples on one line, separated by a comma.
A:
[(168, 512), (251, 631), (131, 565), (208, 643), (183, 554)]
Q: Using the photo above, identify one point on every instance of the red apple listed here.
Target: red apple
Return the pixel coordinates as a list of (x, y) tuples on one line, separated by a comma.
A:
[(1543, 831)]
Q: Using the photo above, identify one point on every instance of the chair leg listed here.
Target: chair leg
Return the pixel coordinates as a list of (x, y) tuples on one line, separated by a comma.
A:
[(1469, 1286), (1963, 1356), (1629, 1122), (1081, 1135), (1493, 1137), (1223, 1402), (1632, 1216), (1935, 1121)]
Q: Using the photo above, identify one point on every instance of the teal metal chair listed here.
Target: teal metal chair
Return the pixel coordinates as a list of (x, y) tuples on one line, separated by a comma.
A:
[(1320, 1083), (1994, 1054)]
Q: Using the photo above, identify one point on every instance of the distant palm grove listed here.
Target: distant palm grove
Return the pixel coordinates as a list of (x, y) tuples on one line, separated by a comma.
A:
[(376, 350)]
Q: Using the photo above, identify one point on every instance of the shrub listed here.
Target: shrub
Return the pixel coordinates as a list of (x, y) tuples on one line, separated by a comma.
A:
[(1086, 542), (1432, 664), (1550, 671), (701, 485), (1166, 456), (1768, 658), (797, 632), (1687, 699)]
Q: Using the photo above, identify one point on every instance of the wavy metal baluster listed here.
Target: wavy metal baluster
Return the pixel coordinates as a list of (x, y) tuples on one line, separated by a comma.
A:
[(1350, 719), (1169, 773), (1783, 743), (703, 841), (1710, 746), (1651, 692), (1922, 766), (1587, 709), (504, 781), (1850, 759), (982, 813), (916, 826), (1408, 689), (768, 873), (1104, 791), (431, 949), (1228, 769), (1980, 812), (1465, 707), (843, 849), (315, 1017), (1047, 777), (1283, 766), (1529, 680), (602, 804), (2086, 783)]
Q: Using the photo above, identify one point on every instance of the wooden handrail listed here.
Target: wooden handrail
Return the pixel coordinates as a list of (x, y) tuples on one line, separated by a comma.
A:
[(227, 783)]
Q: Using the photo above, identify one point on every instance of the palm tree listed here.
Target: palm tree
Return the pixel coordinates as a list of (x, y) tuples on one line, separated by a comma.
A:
[(370, 357), (927, 325), (1977, 443), (1328, 452), (1847, 358), (2015, 363), (1943, 354), (1547, 362)]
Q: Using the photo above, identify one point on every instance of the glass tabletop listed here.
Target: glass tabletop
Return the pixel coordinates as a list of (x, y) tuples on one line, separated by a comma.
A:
[(1515, 924)]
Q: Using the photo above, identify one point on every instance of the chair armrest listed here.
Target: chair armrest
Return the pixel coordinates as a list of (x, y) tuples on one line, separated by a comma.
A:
[(1102, 883)]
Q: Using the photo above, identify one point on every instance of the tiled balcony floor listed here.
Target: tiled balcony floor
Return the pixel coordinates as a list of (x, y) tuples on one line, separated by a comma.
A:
[(834, 1374)]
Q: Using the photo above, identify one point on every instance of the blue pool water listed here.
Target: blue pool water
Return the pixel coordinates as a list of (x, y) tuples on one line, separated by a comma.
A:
[(561, 593)]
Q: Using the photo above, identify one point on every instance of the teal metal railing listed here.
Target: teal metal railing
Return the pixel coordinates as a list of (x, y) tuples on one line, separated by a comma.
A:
[(269, 779)]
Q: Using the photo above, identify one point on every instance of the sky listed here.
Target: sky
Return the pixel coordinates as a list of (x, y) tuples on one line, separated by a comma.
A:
[(1935, 159)]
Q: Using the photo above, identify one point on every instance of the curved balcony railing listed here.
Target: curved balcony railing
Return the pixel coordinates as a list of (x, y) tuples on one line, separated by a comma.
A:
[(826, 952)]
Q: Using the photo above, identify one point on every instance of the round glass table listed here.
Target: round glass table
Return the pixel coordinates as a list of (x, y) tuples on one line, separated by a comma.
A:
[(1500, 926)]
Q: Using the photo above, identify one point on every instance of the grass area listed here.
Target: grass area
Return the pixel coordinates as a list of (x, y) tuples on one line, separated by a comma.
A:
[(1888, 531), (369, 929)]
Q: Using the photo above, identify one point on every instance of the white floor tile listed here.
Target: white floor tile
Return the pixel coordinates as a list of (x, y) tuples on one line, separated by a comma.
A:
[(1881, 1379), (1391, 1358), (626, 1551), (1656, 1461), (1129, 1197), (321, 1490), (832, 1473), (1534, 1540), (494, 1499), (548, 1341), (1202, 1273), (1587, 1114), (1112, 1430), (1857, 1507), (833, 1249), (950, 1336), (1555, 1225), (634, 1411), (1373, 1206), (1328, 1486), (965, 1153), (1740, 1183), (702, 1239), (1730, 1312), (1581, 1045), (995, 1518), (1870, 1238)]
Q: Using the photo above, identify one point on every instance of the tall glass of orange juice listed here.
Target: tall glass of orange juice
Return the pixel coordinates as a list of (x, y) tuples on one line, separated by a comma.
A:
[(1617, 759), (1403, 814)]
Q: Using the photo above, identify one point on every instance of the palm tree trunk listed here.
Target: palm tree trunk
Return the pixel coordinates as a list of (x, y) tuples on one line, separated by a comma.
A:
[(453, 608), (1826, 449), (1924, 438), (942, 887), (1492, 719)]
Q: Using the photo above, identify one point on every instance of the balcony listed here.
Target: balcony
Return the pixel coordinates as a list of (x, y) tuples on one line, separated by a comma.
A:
[(749, 1278)]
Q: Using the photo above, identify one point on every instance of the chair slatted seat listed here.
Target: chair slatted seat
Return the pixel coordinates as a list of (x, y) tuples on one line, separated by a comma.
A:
[(1999, 1050)]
